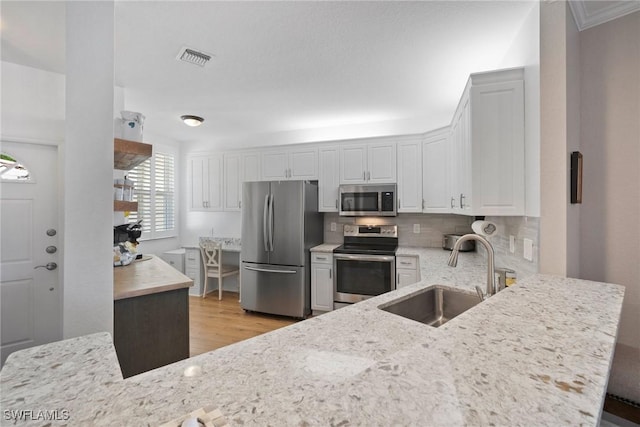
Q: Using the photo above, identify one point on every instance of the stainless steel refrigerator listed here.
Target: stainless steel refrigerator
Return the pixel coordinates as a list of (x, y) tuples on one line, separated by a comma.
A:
[(280, 223)]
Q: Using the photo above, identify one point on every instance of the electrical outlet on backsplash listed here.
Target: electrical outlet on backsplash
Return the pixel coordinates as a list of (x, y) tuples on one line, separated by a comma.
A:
[(521, 228)]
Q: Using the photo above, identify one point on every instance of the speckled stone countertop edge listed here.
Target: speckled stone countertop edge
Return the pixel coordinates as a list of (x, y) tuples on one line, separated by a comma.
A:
[(298, 374)]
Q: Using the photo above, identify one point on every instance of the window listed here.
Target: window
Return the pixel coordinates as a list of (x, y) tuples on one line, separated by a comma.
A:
[(13, 170), (154, 190)]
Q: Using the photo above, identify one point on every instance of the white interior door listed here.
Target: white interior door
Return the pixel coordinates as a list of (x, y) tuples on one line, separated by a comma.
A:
[(30, 295)]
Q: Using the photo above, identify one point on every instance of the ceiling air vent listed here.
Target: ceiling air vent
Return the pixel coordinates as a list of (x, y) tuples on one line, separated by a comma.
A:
[(193, 56)]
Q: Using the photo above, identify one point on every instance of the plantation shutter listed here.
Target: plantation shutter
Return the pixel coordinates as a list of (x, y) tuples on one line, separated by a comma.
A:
[(154, 190), (164, 202)]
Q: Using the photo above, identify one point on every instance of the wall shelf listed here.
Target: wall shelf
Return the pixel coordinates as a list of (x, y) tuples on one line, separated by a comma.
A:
[(123, 206), (129, 154)]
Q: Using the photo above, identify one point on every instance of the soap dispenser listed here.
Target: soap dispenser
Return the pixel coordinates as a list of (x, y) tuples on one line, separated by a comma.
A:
[(506, 277)]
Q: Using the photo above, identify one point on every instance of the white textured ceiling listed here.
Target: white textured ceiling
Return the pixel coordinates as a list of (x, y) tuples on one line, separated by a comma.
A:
[(285, 72)]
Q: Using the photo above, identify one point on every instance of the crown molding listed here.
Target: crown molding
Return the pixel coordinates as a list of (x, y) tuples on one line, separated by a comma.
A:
[(607, 11)]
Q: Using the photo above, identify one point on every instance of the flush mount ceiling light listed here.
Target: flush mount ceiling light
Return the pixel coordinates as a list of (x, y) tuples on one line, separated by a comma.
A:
[(192, 120)]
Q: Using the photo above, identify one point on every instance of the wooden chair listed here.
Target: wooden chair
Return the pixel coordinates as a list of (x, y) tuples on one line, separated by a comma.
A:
[(212, 261)]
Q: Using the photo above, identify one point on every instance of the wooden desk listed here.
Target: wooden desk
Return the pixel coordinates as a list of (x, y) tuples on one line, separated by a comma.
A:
[(151, 315)]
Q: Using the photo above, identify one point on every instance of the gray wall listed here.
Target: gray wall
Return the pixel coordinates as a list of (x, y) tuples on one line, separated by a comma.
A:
[(610, 143)]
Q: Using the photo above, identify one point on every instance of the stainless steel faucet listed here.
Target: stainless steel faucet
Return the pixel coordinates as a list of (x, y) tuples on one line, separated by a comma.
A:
[(491, 279)]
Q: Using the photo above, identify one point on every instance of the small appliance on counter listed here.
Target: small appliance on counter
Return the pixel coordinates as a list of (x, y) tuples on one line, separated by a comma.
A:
[(449, 240), (125, 243)]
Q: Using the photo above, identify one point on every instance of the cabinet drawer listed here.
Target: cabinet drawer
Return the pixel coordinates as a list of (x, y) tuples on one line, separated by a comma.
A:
[(191, 273), (408, 262), (321, 258), (192, 258)]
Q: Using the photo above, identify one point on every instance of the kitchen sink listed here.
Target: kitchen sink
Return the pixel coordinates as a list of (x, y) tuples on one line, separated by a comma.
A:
[(434, 307)]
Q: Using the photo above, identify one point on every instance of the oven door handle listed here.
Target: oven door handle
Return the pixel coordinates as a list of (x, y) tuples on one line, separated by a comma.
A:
[(363, 257)]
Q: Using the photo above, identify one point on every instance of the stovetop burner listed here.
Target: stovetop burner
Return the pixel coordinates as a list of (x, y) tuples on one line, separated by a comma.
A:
[(370, 240)]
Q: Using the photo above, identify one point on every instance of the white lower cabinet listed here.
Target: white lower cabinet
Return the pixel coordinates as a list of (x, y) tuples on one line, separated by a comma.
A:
[(321, 281), (175, 259), (193, 269), (406, 271)]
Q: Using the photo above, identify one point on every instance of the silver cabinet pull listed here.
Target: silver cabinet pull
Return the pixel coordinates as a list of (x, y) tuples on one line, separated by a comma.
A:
[(336, 203), (49, 266), (330, 270), (422, 204), (453, 202), (399, 205), (462, 197), (368, 175), (321, 257), (364, 175)]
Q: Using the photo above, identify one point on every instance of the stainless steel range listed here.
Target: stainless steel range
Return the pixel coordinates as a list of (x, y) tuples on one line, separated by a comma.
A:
[(364, 265)]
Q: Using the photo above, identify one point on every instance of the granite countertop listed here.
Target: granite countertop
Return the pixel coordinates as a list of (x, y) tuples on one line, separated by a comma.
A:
[(229, 244), (325, 247), (537, 353), (146, 277)]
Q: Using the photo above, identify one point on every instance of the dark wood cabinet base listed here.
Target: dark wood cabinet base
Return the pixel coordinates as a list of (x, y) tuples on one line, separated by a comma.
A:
[(151, 330)]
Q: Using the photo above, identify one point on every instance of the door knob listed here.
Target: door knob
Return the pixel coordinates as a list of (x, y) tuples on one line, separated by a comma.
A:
[(51, 232), (51, 249), (49, 266)]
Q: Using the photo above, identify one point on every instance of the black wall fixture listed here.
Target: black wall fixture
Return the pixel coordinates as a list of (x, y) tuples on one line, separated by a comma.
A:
[(576, 177)]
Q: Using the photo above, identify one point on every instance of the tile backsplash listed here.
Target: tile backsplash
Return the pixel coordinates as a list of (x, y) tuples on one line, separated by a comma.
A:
[(521, 227), (433, 226)]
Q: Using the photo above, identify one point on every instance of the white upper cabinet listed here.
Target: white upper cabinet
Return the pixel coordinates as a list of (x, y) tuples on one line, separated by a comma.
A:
[(435, 172), (251, 162), (353, 164), (300, 163), (275, 165), (368, 163), (328, 178), (205, 176), (409, 176), (232, 181), (488, 146)]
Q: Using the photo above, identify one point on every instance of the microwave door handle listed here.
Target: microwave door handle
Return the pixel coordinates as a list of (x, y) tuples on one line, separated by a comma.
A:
[(265, 233)]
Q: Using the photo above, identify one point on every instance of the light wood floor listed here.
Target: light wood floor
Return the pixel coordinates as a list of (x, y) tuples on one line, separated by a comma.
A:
[(214, 324)]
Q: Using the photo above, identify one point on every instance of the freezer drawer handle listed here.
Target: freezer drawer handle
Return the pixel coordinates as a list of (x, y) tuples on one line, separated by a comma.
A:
[(264, 270)]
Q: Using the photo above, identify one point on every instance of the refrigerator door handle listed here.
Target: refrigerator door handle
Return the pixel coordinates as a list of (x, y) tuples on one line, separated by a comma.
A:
[(265, 270), (265, 233), (271, 224)]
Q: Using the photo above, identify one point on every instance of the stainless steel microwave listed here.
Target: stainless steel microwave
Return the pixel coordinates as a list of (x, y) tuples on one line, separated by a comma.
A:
[(368, 200)]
